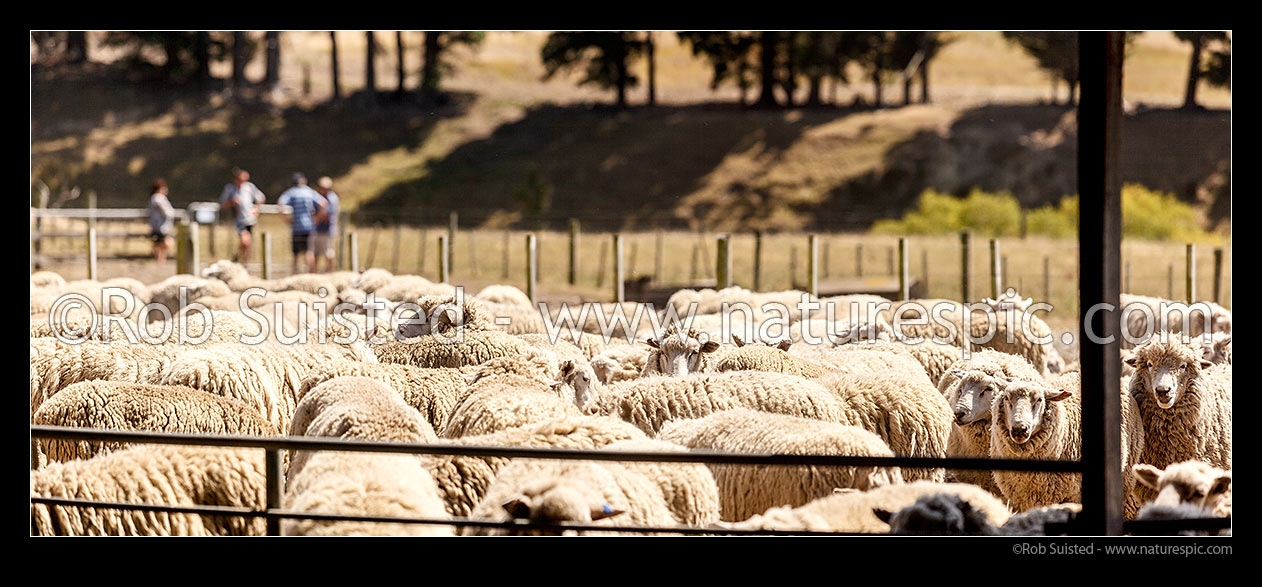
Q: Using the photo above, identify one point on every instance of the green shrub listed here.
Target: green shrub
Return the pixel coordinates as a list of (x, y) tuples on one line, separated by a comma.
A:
[(1146, 214)]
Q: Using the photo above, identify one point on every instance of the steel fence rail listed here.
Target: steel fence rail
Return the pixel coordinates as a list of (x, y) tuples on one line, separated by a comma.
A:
[(691, 456)]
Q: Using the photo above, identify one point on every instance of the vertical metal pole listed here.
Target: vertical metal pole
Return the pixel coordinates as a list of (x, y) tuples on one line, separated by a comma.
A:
[(812, 264), (1218, 275), (924, 268), (1126, 279), (757, 260), (1191, 273), (1170, 281), (92, 274), (824, 263), (793, 267), (1099, 256), (213, 254), (353, 237), (532, 266), (996, 270), (574, 231), (267, 255), (723, 269), (904, 277), (507, 262), (858, 260), (964, 262), (889, 261), (275, 476), (619, 294), (443, 270), (194, 244), (1047, 279)]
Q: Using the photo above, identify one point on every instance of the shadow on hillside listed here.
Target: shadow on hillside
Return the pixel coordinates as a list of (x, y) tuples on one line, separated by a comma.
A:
[(1031, 150), (613, 169), (194, 139)]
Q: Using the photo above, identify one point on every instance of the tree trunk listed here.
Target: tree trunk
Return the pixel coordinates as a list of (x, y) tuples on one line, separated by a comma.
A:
[(907, 90), (429, 66), (742, 69), (767, 70), (170, 46), (1055, 88), (337, 84), (271, 42), (816, 83), (876, 88), (924, 80), (398, 43), (1194, 72), (201, 54), (76, 47), (370, 64), (1072, 100), (238, 60), (652, 70), (620, 69)]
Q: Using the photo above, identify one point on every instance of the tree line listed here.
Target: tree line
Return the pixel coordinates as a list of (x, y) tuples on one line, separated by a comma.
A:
[(768, 67)]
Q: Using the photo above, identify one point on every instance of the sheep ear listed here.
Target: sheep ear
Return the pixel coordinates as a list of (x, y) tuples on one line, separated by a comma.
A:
[(605, 511), (883, 515), (738, 340), (652, 342), (1147, 475), (1058, 395), (710, 347), (784, 345), (555, 386), (517, 508), (566, 368), (1131, 360), (1206, 364), (1028, 301), (989, 301), (958, 373), (471, 378), (1225, 340), (1221, 485)]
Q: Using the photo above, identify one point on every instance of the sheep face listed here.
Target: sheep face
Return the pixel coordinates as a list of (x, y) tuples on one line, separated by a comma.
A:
[(223, 270), (1166, 368), (1218, 349), (863, 330), (1220, 319), (678, 353), (971, 399), (582, 379), (1191, 482), (1009, 301), (558, 500), (1022, 406)]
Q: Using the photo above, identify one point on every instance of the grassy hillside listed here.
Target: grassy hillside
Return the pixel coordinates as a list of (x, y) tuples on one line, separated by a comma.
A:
[(698, 161)]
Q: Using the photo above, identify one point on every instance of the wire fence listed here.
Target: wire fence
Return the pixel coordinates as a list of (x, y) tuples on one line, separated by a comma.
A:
[(273, 512)]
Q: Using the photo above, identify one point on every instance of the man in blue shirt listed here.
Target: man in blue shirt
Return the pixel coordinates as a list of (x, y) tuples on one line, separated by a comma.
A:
[(304, 203), (324, 239)]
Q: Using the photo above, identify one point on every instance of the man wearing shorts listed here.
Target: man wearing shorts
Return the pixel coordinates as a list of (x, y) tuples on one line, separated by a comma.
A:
[(304, 203), (243, 198), (324, 239)]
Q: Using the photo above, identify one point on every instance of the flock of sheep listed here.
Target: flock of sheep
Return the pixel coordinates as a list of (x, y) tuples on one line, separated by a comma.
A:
[(482, 371)]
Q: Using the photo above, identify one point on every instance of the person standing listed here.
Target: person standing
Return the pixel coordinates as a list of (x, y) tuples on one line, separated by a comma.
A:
[(161, 219), (304, 203), (242, 197), (324, 239)]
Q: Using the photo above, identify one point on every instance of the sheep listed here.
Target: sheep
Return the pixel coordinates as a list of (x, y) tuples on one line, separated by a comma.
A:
[(363, 484), (1184, 403), (1009, 301), (855, 511), (168, 291), (576, 492), (1041, 419), (857, 359), (163, 475), (1132, 308), (987, 329), (689, 488), (748, 490), (238, 279), (970, 388), (462, 481), (939, 514), (677, 353), (113, 405), (904, 410), (934, 357), (760, 357), (1217, 348), (650, 402), (431, 392), (469, 347), (1034, 522), (1182, 511), (620, 362), (1192, 482), (563, 349), (501, 401), (372, 279), (503, 294), (47, 279), (56, 364)]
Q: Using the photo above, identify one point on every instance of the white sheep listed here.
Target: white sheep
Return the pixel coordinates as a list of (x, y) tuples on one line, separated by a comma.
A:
[(113, 405), (747, 490), (431, 392), (1193, 482), (620, 362), (503, 294), (689, 488)]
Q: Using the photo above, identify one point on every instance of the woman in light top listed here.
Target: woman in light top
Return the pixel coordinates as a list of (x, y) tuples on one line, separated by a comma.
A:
[(161, 219)]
